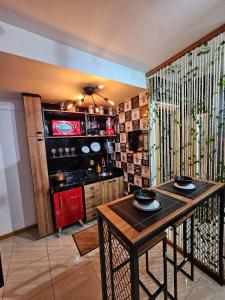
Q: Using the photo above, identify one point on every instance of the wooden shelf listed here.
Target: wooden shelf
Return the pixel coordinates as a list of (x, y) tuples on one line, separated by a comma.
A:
[(75, 155), (78, 136), (76, 113)]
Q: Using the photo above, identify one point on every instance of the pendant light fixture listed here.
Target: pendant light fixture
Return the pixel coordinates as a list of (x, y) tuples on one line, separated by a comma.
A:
[(91, 91)]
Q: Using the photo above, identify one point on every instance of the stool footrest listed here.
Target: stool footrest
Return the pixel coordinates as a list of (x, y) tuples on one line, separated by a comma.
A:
[(180, 266)]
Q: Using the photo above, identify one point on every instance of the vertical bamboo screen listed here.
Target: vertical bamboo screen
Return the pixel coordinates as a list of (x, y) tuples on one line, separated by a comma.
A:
[(187, 115)]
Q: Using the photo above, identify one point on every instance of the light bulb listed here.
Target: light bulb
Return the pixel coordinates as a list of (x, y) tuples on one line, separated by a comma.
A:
[(111, 102), (80, 102), (96, 109), (69, 104), (80, 97), (100, 86)]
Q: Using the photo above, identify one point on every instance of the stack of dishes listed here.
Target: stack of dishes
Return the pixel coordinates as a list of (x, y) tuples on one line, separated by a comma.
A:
[(145, 200), (184, 183)]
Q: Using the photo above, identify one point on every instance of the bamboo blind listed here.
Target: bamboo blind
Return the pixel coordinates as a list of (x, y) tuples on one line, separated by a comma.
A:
[(186, 115)]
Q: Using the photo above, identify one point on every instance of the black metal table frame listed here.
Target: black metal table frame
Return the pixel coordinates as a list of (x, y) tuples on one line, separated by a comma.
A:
[(115, 240)]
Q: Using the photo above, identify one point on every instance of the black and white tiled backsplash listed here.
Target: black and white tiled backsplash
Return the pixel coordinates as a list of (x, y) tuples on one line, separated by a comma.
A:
[(133, 115)]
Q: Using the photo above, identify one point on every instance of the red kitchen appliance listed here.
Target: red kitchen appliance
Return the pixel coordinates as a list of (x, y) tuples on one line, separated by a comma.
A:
[(109, 127), (68, 207), (65, 127)]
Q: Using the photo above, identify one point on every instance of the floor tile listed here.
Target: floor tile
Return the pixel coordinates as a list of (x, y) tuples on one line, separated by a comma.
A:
[(28, 281), (65, 261), (47, 294), (24, 254), (82, 285)]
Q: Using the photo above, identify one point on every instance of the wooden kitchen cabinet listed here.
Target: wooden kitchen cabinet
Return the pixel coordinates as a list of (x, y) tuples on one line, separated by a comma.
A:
[(41, 185), (33, 113), (38, 161), (112, 189), (92, 199), (101, 192)]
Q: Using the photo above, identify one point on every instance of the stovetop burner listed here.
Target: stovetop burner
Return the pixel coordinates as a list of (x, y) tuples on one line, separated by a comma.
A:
[(73, 177)]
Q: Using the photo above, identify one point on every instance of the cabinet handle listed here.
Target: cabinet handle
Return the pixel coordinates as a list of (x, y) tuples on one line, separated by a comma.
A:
[(40, 140), (72, 197), (39, 132)]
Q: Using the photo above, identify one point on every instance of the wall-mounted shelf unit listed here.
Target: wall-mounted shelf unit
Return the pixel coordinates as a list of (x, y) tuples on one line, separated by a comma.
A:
[(79, 136)]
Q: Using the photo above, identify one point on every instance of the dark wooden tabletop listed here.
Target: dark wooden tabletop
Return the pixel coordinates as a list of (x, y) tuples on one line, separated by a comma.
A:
[(135, 236)]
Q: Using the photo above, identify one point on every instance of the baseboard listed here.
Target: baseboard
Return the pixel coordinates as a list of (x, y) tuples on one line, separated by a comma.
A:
[(13, 233)]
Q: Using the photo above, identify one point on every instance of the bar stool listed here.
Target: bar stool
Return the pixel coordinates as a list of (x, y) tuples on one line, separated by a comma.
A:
[(188, 256), (144, 250)]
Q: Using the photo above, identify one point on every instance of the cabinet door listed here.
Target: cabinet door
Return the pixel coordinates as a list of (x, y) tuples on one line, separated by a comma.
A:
[(104, 188), (119, 188), (68, 207), (33, 114), (92, 199), (41, 185), (77, 200)]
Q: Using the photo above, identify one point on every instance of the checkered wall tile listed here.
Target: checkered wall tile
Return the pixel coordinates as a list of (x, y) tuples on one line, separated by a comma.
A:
[(133, 115)]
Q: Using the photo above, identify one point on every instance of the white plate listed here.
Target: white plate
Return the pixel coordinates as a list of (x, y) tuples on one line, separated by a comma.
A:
[(95, 146), (85, 149), (152, 206), (189, 186)]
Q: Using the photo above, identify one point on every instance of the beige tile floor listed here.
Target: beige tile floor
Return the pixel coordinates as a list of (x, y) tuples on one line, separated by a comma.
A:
[(52, 269)]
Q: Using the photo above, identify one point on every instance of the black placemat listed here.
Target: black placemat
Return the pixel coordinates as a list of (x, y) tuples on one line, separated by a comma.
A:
[(140, 220), (201, 187)]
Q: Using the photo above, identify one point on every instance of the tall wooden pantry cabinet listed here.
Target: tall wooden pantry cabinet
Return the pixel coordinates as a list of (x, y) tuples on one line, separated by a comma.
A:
[(36, 141)]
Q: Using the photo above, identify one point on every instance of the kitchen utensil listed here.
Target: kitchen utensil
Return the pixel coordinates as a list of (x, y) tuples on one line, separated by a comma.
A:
[(85, 149), (102, 132), (95, 146), (152, 206), (101, 109), (110, 111), (53, 150), (60, 150), (182, 180), (67, 150), (73, 150), (144, 195), (108, 146), (60, 176), (90, 109), (189, 186)]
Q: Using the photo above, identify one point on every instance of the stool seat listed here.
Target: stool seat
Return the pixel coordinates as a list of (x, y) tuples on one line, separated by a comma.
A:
[(150, 244)]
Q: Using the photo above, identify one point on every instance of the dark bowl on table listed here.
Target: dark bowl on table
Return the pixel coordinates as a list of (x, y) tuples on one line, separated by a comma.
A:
[(144, 195), (183, 180)]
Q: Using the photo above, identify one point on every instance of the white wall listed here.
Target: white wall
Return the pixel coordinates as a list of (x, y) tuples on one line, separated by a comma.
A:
[(17, 208)]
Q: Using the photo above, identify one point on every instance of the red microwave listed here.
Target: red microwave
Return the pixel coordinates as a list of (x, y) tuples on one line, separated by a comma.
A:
[(65, 127)]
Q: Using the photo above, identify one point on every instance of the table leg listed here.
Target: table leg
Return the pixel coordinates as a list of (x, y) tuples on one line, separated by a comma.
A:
[(1, 274), (134, 272), (102, 257)]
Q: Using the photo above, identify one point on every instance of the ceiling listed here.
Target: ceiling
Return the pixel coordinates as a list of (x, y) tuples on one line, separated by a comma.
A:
[(53, 83), (137, 33)]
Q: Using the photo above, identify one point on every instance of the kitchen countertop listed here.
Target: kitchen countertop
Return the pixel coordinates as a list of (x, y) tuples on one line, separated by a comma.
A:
[(81, 177)]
